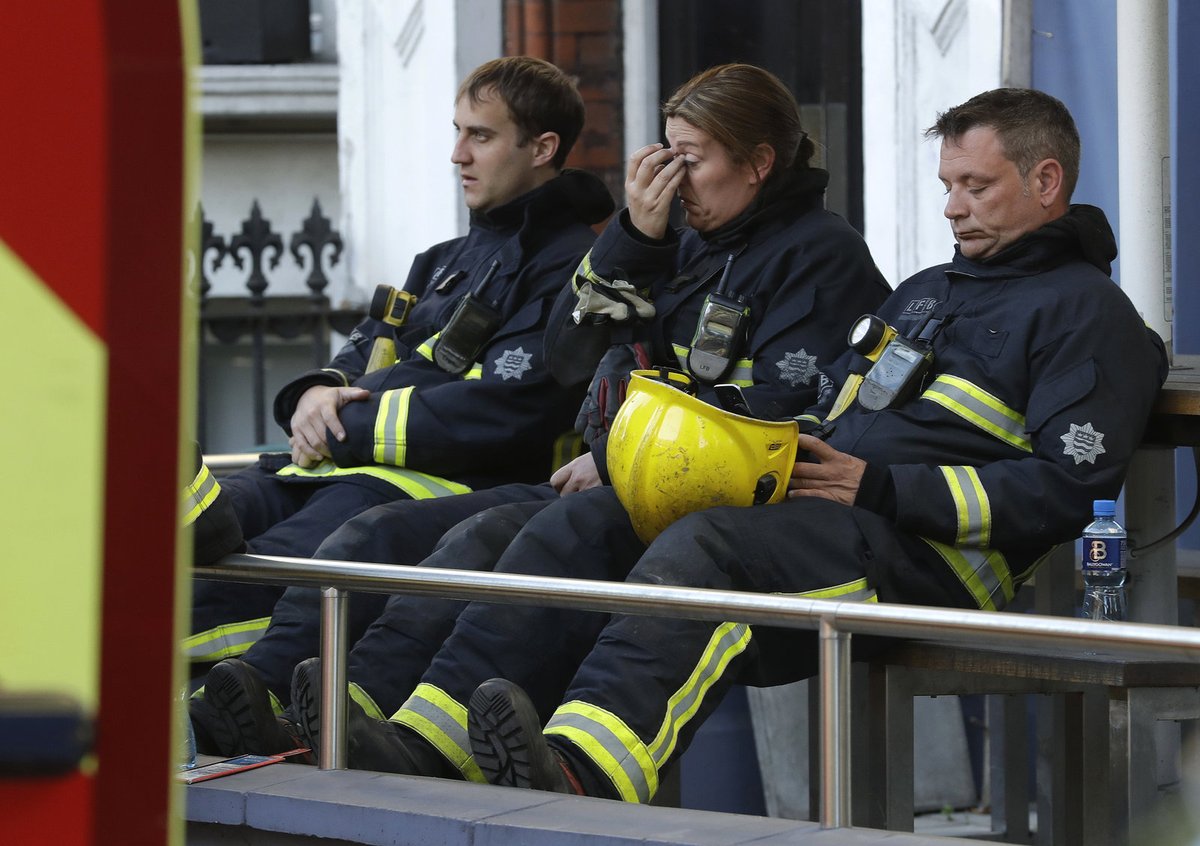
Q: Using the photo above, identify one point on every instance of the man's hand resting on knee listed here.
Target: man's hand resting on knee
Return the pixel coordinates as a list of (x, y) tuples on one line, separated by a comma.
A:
[(317, 416)]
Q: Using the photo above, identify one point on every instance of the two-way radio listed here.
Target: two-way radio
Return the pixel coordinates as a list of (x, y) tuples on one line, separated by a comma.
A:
[(471, 326), (719, 331), (901, 368)]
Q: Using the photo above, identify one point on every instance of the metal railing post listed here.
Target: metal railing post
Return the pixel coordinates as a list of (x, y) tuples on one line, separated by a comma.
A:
[(835, 725), (332, 753)]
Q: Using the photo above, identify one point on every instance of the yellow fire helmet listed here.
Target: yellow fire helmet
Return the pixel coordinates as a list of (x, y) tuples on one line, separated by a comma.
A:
[(670, 454)]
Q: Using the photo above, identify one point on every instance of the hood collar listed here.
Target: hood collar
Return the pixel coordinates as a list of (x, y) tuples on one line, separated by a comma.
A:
[(1082, 234), (796, 190), (573, 189)]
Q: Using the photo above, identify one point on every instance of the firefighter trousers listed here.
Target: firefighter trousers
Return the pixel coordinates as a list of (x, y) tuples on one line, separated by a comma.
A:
[(627, 693), (403, 532), (287, 518)]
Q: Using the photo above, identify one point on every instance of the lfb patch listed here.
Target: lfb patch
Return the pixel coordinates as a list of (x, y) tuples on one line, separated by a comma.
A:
[(512, 364), (1083, 443), (924, 305)]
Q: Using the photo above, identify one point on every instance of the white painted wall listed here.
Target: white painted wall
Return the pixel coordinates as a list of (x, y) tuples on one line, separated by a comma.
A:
[(395, 109), (919, 57), (384, 178)]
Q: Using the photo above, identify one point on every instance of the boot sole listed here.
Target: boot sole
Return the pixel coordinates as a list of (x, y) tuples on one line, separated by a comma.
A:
[(214, 730), (245, 705), (228, 688), (500, 725), (306, 701)]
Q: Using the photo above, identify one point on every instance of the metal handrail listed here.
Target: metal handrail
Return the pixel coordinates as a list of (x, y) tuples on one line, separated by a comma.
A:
[(228, 461), (835, 621)]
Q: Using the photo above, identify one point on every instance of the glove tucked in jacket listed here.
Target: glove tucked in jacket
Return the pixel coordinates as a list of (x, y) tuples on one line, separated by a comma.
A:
[(607, 390)]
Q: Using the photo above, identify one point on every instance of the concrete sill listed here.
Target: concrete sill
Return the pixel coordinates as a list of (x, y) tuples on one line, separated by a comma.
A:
[(255, 97)]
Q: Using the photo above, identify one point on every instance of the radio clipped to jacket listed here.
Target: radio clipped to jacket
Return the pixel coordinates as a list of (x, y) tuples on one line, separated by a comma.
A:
[(901, 365), (470, 328), (719, 331)]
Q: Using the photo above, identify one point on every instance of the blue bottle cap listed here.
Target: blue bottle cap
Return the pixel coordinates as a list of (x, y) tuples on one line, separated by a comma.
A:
[(1104, 508)]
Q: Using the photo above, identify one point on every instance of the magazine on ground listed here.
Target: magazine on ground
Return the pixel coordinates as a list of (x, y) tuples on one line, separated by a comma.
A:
[(229, 766)]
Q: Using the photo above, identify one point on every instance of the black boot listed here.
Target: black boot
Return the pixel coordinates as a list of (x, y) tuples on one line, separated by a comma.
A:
[(508, 744), (377, 745), (245, 722), (205, 723), (306, 703)]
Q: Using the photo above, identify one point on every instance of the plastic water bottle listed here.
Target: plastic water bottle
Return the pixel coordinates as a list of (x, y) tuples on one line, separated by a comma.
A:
[(1104, 571), (187, 752)]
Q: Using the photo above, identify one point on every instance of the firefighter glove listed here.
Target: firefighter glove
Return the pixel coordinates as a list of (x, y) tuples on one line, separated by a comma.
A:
[(607, 390)]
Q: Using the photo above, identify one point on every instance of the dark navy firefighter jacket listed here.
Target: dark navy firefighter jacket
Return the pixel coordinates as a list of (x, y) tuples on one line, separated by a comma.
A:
[(498, 421), (1042, 379)]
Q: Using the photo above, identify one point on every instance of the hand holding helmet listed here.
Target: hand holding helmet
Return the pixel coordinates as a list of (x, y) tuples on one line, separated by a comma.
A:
[(829, 474)]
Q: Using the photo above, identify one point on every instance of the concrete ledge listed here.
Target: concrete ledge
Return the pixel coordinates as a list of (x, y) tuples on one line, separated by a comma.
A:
[(257, 90), (291, 803)]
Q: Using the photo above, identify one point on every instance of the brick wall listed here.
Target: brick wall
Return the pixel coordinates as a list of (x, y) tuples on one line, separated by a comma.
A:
[(583, 37)]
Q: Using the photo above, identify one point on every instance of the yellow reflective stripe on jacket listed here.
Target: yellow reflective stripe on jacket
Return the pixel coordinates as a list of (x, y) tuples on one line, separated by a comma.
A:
[(612, 746), (977, 406), (972, 504), (585, 270), (227, 640), (742, 373), (345, 379), (199, 495), (437, 717), (728, 641), (414, 483), (391, 423), (425, 350), (984, 572)]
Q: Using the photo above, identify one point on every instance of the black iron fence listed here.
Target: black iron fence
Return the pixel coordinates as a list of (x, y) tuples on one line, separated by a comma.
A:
[(258, 249)]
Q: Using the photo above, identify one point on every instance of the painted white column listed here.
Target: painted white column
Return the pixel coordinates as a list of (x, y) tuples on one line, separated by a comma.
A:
[(400, 192), (919, 57), (642, 97), (1143, 137)]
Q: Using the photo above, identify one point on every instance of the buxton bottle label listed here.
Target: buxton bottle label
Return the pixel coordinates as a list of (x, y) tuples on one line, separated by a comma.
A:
[(1103, 555)]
